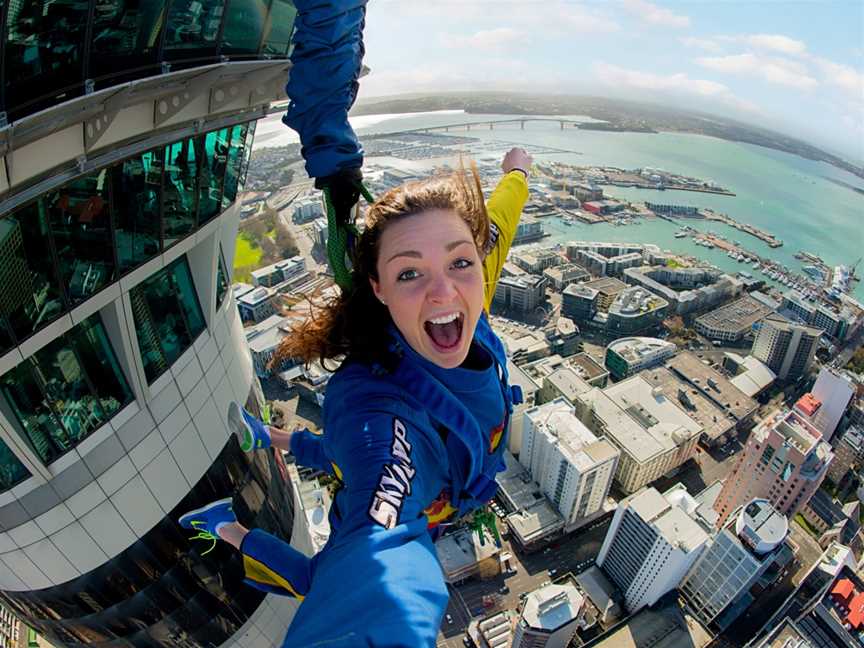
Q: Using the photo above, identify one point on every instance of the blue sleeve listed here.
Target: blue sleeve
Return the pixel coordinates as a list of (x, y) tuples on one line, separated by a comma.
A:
[(378, 582), (308, 450), (326, 63)]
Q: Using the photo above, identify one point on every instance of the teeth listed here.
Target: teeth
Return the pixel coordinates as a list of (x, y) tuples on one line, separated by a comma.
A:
[(445, 319)]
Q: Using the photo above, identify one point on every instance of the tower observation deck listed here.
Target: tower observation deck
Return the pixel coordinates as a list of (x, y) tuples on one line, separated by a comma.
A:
[(126, 128)]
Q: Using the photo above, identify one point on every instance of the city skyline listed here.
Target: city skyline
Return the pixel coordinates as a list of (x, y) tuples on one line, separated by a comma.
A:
[(797, 71)]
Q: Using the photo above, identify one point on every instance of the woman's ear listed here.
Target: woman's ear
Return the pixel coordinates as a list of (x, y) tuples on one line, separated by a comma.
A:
[(376, 288)]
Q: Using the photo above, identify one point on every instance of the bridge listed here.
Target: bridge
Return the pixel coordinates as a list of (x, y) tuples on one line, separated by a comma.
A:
[(492, 122)]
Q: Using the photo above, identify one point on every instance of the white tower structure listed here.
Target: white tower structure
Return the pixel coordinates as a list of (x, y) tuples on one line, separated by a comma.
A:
[(127, 130), (652, 542)]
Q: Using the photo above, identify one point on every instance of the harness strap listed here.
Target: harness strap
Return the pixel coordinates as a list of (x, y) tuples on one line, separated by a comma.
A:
[(341, 234)]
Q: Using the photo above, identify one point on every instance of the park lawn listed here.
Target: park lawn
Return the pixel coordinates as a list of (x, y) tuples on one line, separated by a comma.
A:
[(246, 253)]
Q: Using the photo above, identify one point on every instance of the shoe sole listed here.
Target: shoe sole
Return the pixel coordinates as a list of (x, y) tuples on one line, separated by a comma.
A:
[(209, 506), (240, 427)]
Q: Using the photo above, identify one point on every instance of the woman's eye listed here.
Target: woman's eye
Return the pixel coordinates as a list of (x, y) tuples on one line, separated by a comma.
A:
[(407, 275), (461, 264)]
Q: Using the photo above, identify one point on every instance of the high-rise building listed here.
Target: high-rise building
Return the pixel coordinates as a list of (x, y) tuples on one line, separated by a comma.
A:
[(652, 542), (784, 461), (652, 432), (129, 130), (717, 588), (550, 617), (785, 347), (833, 391), (524, 293), (574, 468)]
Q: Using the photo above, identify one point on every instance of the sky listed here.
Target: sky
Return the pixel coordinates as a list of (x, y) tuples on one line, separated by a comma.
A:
[(797, 67)]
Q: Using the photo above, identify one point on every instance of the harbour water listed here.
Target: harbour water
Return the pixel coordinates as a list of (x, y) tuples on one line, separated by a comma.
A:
[(793, 198)]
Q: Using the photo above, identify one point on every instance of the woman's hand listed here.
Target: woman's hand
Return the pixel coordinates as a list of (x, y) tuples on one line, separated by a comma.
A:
[(517, 159)]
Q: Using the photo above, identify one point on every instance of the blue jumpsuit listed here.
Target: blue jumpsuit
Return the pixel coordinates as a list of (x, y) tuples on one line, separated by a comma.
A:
[(411, 449)]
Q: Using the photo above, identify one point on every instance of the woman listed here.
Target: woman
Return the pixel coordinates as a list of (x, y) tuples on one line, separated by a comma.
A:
[(414, 418)]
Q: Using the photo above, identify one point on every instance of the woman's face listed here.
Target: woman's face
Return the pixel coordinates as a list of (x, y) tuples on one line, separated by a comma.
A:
[(430, 276)]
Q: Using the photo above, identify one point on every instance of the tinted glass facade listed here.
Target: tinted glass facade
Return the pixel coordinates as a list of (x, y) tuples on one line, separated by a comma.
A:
[(72, 242), (163, 591), (50, 48), (66, 390), (167, 316), (221, 278), (12, 470)]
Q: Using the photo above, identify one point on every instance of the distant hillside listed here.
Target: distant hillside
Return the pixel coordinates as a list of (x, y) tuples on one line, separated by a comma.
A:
[(622, 115)]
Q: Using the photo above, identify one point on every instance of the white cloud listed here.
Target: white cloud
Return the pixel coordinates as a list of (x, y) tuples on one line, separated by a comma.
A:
[(775, 70), (618, 77), (842, 76), (487, 39), (775, 43), (655, 15), (707, 44)]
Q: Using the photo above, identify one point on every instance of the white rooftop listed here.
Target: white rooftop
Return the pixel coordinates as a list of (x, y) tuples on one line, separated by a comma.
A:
[(552, 606), (463, 549), (640, 419), (556, 420), (756, 376), (672, 518), (634, 349)]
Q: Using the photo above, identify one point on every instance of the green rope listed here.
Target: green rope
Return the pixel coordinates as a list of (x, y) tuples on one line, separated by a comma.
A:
[(481, 520), (338, 234)]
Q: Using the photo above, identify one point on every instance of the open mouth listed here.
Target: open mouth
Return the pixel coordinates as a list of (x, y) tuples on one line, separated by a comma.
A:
[(445, 331)]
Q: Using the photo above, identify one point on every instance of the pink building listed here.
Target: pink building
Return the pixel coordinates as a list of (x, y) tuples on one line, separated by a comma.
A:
[(784, 461)]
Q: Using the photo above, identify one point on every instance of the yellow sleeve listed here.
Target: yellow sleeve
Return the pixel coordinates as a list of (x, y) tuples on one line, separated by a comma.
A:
[(504, 207)]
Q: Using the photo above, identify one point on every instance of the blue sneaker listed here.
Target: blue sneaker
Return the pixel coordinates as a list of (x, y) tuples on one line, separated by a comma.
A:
[(251, 433), (207, 520)]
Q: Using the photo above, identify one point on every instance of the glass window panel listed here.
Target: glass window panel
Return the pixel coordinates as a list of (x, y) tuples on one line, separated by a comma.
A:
[(235, 159), (280, 28), (244, 26), (193, 28), (125, 38), (212, 177), (188, 298), (247, 153), (6, 341), (12, 470), (80, 217), (55, 395), (180, 190), (42, 429), (29, 290), (221, 279), (167, 316), (98, 359), (44, 51), (137, 197)]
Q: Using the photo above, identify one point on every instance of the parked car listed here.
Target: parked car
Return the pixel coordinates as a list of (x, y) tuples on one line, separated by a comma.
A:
[(552, 572), (504, 590), (449, 619)]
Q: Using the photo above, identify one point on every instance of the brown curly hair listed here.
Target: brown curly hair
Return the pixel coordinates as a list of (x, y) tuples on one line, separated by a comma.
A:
[(355, 323)]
